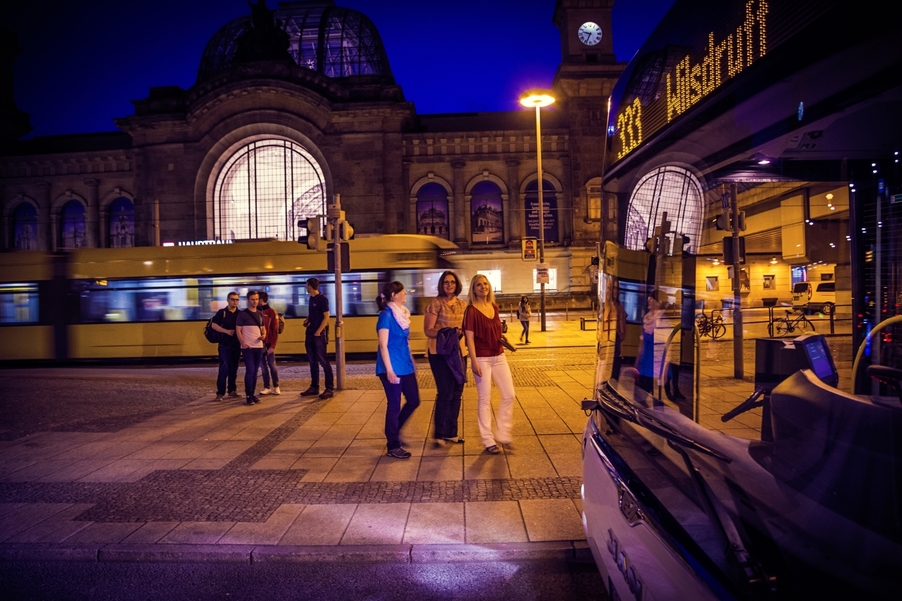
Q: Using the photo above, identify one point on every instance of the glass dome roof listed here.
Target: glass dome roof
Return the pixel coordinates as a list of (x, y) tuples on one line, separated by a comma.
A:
[(334, 41)]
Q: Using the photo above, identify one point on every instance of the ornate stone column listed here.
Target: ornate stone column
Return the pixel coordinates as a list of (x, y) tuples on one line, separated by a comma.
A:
[(514, 201), (461, 211), (92, 221), (46, 230)]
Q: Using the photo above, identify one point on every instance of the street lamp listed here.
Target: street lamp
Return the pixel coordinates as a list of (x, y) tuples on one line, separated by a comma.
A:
[(538, 99)]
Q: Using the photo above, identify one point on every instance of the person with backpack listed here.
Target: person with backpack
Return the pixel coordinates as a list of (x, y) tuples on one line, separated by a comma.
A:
[(523, 315), (229, 349), (268, 367)]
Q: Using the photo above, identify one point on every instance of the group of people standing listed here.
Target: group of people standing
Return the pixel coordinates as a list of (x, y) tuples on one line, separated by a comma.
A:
[(252, 334), (457, 333)]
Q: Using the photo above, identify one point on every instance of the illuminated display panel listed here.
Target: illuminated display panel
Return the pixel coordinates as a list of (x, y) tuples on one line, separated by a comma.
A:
[(698, 47)]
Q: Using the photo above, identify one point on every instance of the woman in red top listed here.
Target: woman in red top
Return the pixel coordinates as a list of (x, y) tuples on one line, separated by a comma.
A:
[(482, 327)]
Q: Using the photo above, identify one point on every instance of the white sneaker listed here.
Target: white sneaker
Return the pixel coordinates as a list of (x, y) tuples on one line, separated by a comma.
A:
[(276, 390), (265, 391)]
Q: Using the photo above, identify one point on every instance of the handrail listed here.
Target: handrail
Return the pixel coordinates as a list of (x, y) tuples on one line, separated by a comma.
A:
[(864, 343)]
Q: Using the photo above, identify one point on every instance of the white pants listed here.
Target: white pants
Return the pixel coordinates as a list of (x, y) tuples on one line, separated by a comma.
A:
[(497, 369)]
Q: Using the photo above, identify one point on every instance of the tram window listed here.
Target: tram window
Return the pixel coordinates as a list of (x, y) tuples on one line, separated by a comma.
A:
[(19, 303), (183, 299)]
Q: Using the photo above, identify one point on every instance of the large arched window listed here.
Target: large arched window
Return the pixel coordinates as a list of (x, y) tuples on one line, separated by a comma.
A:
[(25, 227), (122, 223), (432, 210), (672, 190), (264, 188), (72, 232), (486, 213), (549, 199)]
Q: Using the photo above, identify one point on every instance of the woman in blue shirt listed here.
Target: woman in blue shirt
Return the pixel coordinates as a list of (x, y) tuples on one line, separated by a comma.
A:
[(394, 364)]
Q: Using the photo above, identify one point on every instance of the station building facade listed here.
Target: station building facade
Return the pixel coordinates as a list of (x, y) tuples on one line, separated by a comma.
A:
[(295, 105)]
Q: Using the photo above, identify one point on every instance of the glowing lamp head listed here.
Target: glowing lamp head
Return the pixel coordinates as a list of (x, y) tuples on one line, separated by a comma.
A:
[(537, 99)]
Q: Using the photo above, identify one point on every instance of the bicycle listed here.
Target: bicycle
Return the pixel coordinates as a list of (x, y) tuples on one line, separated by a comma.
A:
[(711, 326), (787, 325)]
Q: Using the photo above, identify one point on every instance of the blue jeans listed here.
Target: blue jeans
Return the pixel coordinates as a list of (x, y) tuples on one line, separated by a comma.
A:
[(316, 354), (395, 415), (447, 398), (253, 357), (269, 367), (228, 369)]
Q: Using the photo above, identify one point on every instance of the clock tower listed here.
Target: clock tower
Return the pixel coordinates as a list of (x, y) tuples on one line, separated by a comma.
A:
[(582, 85), (585, 27)]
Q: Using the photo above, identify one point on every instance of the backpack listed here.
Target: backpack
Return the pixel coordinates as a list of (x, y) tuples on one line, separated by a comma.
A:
[(281, 323), (210, 334)]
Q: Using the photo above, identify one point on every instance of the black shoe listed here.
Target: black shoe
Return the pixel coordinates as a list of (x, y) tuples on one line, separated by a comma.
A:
[(398, 453), (457, 440), (255, 399), (234, 394), (311, 392), (249, 401), (327, 394)]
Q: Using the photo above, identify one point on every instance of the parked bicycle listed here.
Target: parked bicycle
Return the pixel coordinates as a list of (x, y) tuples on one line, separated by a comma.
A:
[(789, 324), (712, 326)]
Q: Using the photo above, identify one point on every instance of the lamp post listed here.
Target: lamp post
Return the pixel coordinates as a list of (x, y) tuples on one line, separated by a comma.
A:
[(538, 99)]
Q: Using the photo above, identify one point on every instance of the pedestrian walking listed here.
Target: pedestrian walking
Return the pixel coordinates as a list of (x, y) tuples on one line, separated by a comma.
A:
[(251, 334), (395, 366), (268, 366), (482, 327), (446, 350), (317, 340), (523, 314), (229, 349)]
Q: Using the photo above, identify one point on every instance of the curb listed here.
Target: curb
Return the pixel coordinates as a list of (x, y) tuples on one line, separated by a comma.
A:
[(399, 554)]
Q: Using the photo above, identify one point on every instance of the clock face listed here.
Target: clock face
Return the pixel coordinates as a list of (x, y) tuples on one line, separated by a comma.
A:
[(589, 33)]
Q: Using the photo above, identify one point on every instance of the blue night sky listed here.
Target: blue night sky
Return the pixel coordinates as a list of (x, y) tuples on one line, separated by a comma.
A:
[(82, 62)]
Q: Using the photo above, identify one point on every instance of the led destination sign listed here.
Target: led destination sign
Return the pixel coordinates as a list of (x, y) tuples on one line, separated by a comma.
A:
[(694, 76), (690, 58)]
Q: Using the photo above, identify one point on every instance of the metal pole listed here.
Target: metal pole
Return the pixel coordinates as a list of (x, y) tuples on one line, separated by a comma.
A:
[(339, 324), (738, 368), (541, 211)]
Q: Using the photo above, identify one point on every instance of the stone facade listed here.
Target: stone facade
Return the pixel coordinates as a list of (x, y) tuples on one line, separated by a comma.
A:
[(372, 148)]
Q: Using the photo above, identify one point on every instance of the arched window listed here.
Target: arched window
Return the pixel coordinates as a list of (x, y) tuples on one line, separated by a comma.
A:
[(432, 210), (549, 199), (122, 223), (672, 190), (72, 232), (264, 188), (486, 213), (25, 227)]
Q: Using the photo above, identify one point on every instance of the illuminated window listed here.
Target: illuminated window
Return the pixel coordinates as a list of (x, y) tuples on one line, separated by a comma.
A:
[(494, 278), (432, 210), (72, 232), (531, 204), (593, 199), (25, 227), (486, 213), (122, 223), (264, 189), (670, 190)]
